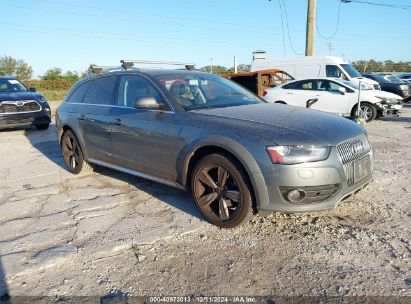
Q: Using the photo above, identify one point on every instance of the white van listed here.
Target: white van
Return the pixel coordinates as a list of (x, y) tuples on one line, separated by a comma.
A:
[(313, 67)]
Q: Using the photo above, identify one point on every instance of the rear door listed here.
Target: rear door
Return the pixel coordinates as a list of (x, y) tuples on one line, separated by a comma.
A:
[(95, 118)]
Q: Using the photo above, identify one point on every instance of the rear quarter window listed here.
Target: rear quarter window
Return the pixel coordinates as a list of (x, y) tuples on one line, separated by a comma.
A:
[(78, 95)]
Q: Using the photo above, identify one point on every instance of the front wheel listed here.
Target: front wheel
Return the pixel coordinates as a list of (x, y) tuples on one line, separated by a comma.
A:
[(221, 191), (367, 111), (73, 156)]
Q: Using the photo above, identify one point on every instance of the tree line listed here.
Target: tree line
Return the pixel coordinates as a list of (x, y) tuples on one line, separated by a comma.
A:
[(388, 66), (19, 68)]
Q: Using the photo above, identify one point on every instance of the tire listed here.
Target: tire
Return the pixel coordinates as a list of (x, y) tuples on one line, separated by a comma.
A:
[(221, 191), (368, 111), (73, 156), (42, 126)]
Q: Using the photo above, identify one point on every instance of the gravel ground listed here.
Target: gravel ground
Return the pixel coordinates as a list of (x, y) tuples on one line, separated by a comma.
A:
[(63, 235)]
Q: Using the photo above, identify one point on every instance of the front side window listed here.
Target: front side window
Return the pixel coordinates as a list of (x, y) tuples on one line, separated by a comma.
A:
[(333, 71), (79, 93), (200, 91), (11, 85), (334, 87), (102, 91), (134, 87)]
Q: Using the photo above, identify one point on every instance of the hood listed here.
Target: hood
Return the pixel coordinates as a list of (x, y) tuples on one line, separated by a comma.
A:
[(384, 94), (364, 80), (19, 95), (287, 125)]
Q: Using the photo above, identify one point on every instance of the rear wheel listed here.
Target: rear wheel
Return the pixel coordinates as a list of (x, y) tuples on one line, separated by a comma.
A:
[(221, 191), (367, 111), (73, 156)]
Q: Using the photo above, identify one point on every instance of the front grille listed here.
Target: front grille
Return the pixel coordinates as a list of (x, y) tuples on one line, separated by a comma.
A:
[(354, 149), (351, 151), (314, 194), (377, 87), (19, 106)]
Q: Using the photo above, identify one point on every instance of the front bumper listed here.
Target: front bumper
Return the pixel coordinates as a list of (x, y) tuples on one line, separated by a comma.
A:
[(328, 182), (390, 109), (18, 120)]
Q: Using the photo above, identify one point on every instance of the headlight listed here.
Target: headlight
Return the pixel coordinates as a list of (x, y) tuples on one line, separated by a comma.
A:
[(42, 99), (289, 155), (367, 86), (384, 100), (404, 87)]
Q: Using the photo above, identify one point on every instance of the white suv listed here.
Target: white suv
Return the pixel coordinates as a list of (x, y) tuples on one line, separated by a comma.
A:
[(335, 96)]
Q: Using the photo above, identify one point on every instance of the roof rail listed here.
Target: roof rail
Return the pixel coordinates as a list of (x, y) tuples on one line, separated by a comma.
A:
[(100, 69), (127, 64)]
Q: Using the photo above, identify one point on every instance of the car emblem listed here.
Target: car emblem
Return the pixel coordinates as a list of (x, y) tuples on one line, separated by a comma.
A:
[(19, 103), (357, 147)]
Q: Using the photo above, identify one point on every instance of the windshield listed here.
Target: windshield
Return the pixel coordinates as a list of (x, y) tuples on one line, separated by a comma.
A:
[(355, 85), (11, 85), (392, 78), (204, 91), (350, 70)]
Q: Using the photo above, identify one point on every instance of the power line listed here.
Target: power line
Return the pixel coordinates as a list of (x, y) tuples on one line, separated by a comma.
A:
[(122, 16), (336, 27), (397, 6), (288, 30), (113, 36), (282, 26)]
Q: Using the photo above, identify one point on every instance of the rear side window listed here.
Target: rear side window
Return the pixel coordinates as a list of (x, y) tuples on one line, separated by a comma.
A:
[(79, 93), (102, 91), (301, 85)]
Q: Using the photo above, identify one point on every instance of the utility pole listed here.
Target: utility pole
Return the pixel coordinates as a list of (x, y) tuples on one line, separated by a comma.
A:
[(235, 64), (331, 48), (309, 43), (211, 65)]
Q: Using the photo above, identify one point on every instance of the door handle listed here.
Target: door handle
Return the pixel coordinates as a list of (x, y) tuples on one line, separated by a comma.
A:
[(117, 121)]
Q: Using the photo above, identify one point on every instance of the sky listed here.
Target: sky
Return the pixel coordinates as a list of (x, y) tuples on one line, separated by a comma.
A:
[(72, 34)]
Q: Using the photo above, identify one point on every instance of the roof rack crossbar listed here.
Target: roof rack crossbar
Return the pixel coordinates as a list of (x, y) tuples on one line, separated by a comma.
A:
[(100, 69), (126, 64)]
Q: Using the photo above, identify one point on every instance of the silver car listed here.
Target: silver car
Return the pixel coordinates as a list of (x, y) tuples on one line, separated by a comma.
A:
[(197, 131)]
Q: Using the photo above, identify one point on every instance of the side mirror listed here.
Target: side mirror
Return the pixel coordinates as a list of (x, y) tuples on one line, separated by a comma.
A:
[(148, 103), (342, 90), (33, 89)]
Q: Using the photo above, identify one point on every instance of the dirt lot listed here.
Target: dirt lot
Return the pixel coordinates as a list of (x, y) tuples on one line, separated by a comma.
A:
[(113, 233)]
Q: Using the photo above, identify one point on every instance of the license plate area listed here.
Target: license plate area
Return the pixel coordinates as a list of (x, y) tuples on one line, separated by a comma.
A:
[(362, 168)]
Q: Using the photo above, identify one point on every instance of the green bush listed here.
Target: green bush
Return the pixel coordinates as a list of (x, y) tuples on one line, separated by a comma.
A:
[(51, 89)]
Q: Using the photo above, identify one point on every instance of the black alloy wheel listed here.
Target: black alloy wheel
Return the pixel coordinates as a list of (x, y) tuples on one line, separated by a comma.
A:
[(72, 154), (220, 190)]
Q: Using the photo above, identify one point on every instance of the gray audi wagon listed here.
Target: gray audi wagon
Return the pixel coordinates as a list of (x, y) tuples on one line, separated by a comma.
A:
[(197, 131)]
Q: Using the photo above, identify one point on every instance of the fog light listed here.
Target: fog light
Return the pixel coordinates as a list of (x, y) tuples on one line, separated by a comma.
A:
[(296, 195)]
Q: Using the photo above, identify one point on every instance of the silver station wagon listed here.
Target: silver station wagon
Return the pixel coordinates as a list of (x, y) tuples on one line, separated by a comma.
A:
[(197, 131)]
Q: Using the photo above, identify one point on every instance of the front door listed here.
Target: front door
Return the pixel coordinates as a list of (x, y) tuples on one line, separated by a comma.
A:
[(143, 140), (330, 99)]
